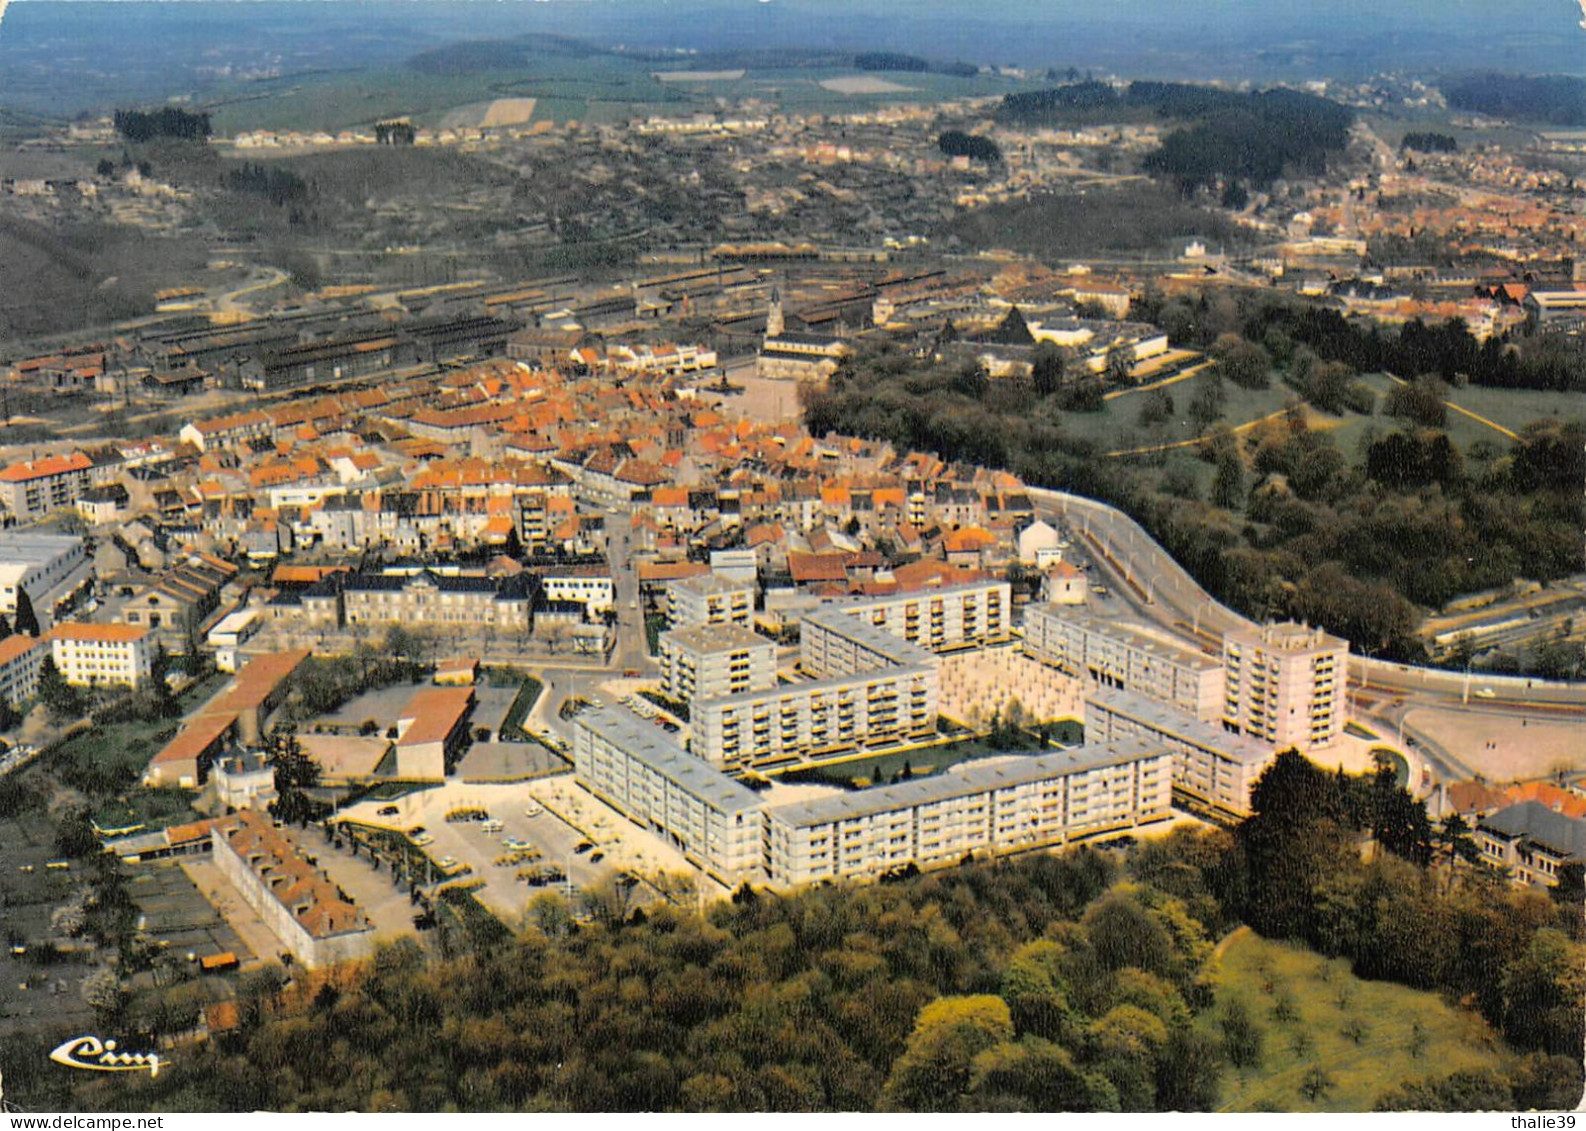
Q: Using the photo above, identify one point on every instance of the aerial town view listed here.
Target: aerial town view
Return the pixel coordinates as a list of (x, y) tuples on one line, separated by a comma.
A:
[(793, 555)]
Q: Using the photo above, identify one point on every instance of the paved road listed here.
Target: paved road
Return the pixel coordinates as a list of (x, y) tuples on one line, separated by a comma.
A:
[(1158, 588)]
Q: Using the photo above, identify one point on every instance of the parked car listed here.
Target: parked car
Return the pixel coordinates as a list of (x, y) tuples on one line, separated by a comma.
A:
[(533, 809), (596, 857), (387, 811), (583, 847)]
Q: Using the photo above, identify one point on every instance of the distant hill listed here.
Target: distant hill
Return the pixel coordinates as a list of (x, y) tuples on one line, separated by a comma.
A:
[(475, 56), (1556, 100)]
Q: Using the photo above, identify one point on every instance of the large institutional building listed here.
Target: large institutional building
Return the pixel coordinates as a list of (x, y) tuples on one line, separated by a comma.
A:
[(289, 892), (98, 655), (39, 572), (1285, 684)]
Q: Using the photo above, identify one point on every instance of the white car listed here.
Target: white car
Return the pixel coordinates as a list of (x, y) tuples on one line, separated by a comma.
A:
[(534, 809), (1486, 693), (492, 825), (422, 839)]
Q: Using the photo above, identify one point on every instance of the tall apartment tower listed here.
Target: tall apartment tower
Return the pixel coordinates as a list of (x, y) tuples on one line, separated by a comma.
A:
[(1285, 684)]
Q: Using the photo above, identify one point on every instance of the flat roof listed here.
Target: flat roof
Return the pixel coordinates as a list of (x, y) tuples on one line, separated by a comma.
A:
[(805, 687), (981, 776), (708, 583), (1132, 635), (708, 639), (35, 549), (641, 742), (850, 625), (1161, 717)]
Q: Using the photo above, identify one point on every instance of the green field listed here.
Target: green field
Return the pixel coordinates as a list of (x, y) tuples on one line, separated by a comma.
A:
[(599, 88), (1404, 1035), (1117, 428), (528, 695), (864, 771)]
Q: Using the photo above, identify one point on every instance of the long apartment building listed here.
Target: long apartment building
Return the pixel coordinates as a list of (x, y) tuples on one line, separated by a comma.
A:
[(996, 805), (972, 615), (1011, 804), (1116, 654), (712, 819), (1210, 764), (708, 662), (1286, 684), (709, 599), (877, 690)]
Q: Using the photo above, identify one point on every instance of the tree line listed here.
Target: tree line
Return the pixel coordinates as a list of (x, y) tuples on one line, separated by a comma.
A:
[(1228, 136), (957, 143), (168, 121), (1558, 100), (1291, 525)]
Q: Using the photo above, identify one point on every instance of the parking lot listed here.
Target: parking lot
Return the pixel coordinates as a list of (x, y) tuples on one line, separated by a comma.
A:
[(552, 816)]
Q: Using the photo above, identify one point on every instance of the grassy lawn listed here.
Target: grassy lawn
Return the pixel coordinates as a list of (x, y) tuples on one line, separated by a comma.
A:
[(482, 929), (1401, 768), (528, 695), (108, 761), (1117, 426), (866, 770), (654, 625), (1389, 1016)]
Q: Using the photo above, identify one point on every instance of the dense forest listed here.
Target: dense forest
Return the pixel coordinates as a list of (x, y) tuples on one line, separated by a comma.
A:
[(1044, 982), (890, 61), (168, 121), (1430, 143), (1556, 100), (1291, 525), (277, 185), (956, 143), (1226, 136)]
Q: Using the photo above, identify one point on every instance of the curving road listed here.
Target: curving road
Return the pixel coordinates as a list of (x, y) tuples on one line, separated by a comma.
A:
[(1160, 589)]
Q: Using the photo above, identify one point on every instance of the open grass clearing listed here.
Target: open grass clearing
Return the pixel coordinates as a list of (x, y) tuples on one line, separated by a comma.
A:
[(1404, 1034)]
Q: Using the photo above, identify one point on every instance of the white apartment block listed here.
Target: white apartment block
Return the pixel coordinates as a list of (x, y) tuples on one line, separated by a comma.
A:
[(1286, 684), (834, 643), (1116, 654), (596, 592), (1210, 765), (714, 821), (997, 806), (48, 568), (956, 616), (715, 662), (96, 654), (709, 599), (761, 729)]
